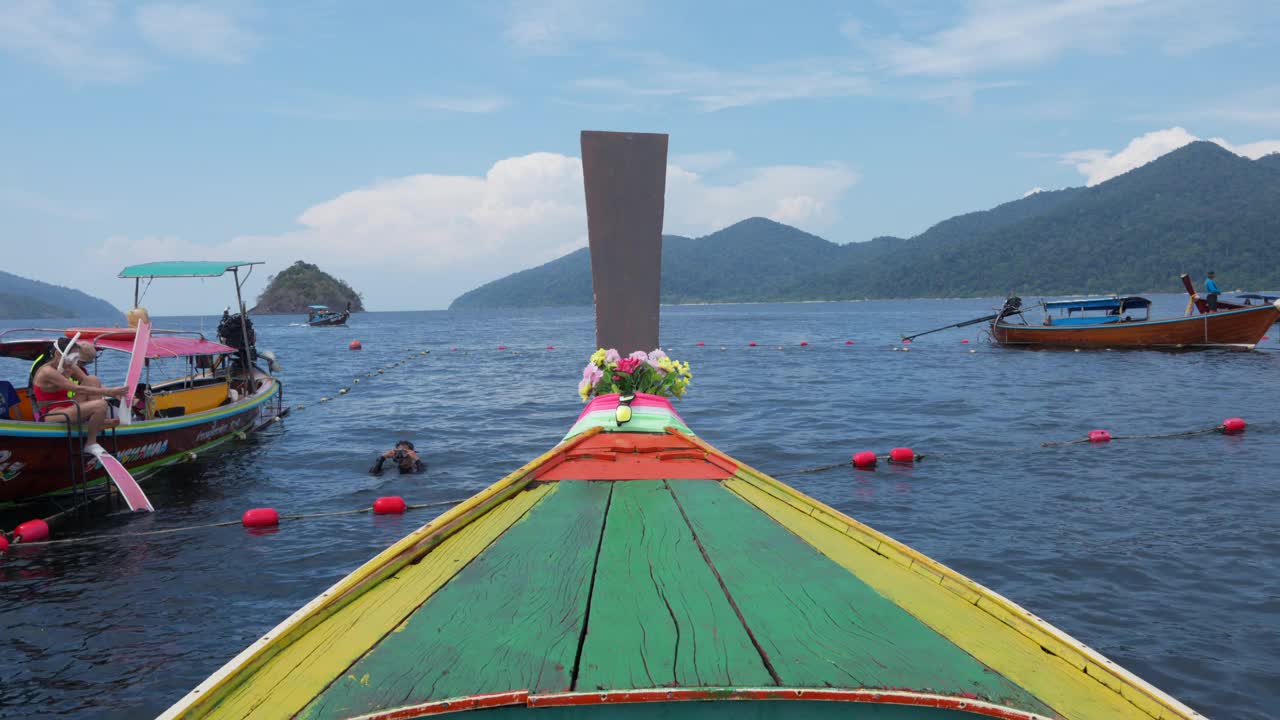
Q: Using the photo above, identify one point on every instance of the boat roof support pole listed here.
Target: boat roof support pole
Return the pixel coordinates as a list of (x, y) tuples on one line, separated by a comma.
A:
[(244, 329), (137, 285)]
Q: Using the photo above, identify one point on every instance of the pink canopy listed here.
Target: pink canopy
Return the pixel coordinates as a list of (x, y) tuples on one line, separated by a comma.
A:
[(162, 346)]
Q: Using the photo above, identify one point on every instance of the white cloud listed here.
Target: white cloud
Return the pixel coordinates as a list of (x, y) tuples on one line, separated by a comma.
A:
[(703, 161), (555, 27), (1016, 34), (712, 89), (1098, 166), (199, 32), (76, 38), (477, 104), (462, 230), (1033, 191)]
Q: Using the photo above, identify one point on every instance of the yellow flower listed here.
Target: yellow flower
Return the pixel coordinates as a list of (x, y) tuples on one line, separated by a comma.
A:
[(597, 357)]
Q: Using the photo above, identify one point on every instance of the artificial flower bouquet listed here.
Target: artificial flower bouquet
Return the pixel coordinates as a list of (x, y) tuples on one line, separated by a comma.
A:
[(640, 372)]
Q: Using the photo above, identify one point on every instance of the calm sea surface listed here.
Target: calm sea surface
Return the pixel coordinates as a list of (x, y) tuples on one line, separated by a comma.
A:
[(1163, 554)]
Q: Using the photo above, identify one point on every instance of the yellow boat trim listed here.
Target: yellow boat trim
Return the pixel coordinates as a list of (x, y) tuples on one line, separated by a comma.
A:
[(294, 677), (918, 592), (201, 701)]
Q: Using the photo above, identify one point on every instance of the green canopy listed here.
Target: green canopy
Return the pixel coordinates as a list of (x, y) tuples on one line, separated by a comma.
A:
[(183, 268)]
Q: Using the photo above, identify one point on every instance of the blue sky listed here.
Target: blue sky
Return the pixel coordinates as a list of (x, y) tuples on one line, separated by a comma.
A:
[(417, 149)]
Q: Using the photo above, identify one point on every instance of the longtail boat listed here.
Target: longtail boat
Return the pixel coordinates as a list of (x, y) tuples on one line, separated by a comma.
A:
[(322, 316), (634, 570), (216, 393), (1125, 322)]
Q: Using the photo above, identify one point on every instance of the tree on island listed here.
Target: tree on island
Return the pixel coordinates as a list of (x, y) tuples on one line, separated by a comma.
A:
[(301, 285)]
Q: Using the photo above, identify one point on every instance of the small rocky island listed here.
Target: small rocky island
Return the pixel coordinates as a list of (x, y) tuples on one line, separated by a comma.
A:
[(304, 284)]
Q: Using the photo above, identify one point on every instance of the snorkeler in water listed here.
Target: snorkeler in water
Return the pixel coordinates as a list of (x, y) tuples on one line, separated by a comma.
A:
[(403, 456)]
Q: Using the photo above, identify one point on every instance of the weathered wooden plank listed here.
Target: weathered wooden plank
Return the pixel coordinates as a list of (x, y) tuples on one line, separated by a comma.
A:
[(510, 620), (294, 677), (820, 625), (658, 615), (1054, 680), (724, 710)]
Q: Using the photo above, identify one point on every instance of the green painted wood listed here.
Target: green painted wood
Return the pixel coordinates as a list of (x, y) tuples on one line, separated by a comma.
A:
[(658, 615), (820, 625), (511, 620), (726, 710)]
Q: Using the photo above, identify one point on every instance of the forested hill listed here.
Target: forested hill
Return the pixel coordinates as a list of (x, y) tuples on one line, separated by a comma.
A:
[(302, 284), (1198, 208), (31, 299)]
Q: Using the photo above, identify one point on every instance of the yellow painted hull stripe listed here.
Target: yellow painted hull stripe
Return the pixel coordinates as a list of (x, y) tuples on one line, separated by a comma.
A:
[(300, 672)]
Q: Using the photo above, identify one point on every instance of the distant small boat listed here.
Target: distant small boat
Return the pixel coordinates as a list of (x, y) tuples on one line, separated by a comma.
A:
[(1114, 322), (322, 316)]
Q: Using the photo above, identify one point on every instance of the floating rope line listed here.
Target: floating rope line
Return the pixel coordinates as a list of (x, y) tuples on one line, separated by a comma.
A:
[(227, 523), (372, 374), (1112, 438)]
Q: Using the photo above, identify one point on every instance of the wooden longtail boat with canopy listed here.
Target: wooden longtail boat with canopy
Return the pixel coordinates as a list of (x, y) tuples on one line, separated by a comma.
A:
[(215, 393), (1125, 322), (322, 316), (635, 571)]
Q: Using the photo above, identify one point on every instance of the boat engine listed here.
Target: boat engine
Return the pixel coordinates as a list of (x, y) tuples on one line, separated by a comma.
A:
[(232, 333)]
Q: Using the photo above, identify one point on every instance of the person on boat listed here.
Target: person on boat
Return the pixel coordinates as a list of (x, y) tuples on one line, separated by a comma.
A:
[(58, 383), (1211, 292), (405, 458), (88, 354)]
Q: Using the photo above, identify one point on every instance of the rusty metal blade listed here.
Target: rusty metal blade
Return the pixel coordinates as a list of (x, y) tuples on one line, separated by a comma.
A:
[(625, 177)]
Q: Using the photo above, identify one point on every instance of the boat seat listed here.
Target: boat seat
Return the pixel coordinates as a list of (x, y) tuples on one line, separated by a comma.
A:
[(1104, 320)]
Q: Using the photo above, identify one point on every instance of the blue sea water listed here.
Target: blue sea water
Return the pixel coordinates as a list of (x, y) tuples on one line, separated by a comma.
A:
[(1163, 554)]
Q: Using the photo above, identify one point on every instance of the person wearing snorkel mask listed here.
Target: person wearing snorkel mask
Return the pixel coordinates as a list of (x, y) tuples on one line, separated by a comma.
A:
[(59, 386)]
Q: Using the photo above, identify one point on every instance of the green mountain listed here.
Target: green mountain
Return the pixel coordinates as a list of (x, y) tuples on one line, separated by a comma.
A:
[(31, 299), (1198, 208), (303, 284)]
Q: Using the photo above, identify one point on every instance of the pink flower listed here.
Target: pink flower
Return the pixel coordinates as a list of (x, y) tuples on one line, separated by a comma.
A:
[(592, 374), (611, 356), (639, 355), (629, 365), (654, 357)]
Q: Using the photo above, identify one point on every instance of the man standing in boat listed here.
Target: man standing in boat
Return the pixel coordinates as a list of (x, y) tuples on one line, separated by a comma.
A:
[(1211, 292)]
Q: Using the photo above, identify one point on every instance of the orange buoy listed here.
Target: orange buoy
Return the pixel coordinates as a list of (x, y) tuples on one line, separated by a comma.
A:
[(1234, 426), (1099, 436), (902, 455), (31, 531), (355, 345), (260, 518), (390, 505), (865, 459)]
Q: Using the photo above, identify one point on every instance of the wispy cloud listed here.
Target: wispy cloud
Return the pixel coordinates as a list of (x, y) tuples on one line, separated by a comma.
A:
[(463, 104), (712, 89), (198, 32), (1018, 34), (79, 39), (703, 161), (556, 27)]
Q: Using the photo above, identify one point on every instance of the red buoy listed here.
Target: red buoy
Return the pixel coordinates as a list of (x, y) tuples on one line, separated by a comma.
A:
[(751, 344), (848, 342), (355, 345), (1099, 436), (551, 347), (452, 349), (700, 344), (964, 341), (906, 342), (804, 344), (502, 347), (1234, 426), (902, 455), (4, 543), (864, 459), (260, 518), (31, 531), (390, 505)]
